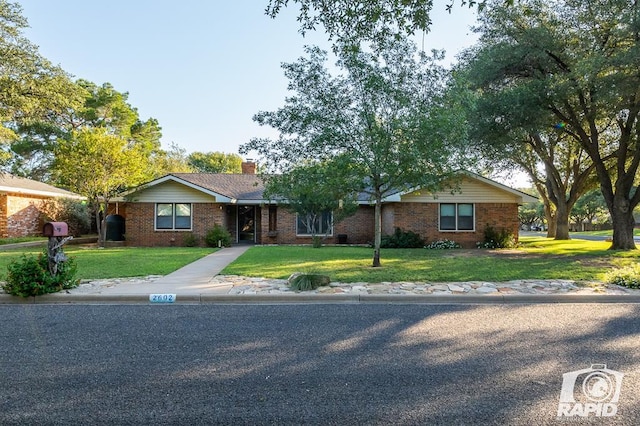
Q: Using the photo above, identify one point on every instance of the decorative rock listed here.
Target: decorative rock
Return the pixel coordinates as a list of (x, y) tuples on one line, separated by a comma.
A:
[(486, 290), (454, 287), (245, 285)]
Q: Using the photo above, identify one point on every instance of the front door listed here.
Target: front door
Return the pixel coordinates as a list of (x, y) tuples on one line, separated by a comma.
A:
[(246, 224)]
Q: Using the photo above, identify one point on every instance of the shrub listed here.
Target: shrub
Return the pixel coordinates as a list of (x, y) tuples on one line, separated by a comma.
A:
[(305, 282), (190, 240), (218, 236), (402, 239), (442, 245), (73, 212), (494, 239), (30, 276), (629, 276)]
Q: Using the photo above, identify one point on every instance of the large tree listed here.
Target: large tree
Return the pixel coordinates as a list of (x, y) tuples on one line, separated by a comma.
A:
[(577, 63), (31, 88), (98, 165), (101, 107), (508, 137), (381, 112), (215, 162)]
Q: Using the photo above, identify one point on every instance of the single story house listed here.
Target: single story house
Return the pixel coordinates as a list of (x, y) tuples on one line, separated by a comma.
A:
[(22, 202), (179, 205)]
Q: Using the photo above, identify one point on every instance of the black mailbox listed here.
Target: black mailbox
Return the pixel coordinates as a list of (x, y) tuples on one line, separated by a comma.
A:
[(55, 229)]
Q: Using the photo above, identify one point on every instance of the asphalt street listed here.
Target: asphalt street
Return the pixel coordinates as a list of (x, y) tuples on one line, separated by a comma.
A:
[(311, 364)]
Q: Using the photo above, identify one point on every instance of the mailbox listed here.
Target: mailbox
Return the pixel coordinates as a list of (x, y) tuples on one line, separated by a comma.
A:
[(55, 229)]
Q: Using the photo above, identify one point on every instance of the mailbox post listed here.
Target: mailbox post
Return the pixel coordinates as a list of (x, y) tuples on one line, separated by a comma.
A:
[(58, 233)]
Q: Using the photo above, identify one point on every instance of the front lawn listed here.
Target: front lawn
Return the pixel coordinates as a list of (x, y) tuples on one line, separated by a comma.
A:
[(94, 263), (537, 258)]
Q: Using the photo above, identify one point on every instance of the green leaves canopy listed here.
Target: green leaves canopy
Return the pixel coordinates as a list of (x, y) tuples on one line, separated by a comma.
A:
[(98, 165), (215, 162), (354, 21), (573, 65)]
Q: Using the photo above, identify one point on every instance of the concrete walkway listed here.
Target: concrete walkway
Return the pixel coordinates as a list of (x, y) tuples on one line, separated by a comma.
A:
[(194, 278)]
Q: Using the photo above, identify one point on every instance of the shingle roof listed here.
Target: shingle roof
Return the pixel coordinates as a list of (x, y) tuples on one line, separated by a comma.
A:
[(235, 186), (250, 187), (15, 184)]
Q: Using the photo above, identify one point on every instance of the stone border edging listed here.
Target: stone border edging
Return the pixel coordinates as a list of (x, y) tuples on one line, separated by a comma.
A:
[(198, 299)]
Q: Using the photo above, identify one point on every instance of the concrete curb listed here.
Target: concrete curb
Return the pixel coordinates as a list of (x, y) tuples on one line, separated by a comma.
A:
[(301, 298)]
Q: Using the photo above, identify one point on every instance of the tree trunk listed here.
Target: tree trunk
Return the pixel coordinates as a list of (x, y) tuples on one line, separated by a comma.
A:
[(550, 215), (99, 226), (562, 221), (623, 224), (377, 238)]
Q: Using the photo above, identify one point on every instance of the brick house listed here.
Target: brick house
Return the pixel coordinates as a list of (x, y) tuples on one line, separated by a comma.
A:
[(22, 202), (167, 210)]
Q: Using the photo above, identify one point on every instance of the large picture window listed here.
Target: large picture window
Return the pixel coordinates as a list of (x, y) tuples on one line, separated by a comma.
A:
[(173, 216), (322, 223), (457, 217)]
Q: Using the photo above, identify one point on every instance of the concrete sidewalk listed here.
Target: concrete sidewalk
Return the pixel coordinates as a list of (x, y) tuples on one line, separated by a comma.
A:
[(194, 278)]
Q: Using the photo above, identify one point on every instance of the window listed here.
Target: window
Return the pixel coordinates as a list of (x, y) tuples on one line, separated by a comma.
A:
[(173, 216), (323, 224), (457, 217)]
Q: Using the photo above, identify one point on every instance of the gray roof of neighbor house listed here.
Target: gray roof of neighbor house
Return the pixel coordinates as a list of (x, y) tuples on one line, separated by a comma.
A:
[(234, 186), (18, 185)]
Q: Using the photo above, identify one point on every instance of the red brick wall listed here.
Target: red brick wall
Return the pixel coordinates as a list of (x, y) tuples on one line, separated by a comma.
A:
[(4, 232), (358, 228), (422, 218), (23, 216), (140, 224)]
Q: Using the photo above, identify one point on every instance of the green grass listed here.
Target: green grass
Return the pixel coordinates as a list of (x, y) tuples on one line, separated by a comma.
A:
[(15, 240), (94, 263), (538, 258), (607, 233)]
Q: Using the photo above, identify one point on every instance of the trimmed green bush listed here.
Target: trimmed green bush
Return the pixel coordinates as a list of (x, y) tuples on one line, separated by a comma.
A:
[(494, 239), (402, 239), (629, 276), (30, 276), (218, 236)]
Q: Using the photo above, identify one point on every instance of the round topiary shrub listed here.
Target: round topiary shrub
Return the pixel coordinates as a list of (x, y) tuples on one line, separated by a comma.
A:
[(218, 237)]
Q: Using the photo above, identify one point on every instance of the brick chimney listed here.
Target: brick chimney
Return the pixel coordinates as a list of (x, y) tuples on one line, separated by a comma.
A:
[(248, 167)]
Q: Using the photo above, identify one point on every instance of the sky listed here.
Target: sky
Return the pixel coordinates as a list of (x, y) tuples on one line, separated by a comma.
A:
[(202, 68)]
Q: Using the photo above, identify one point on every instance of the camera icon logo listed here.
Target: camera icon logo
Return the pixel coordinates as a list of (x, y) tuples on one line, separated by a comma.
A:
[(594, 390)]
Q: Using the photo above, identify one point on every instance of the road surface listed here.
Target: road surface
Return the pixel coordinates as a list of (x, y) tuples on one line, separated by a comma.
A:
[(311, 364)]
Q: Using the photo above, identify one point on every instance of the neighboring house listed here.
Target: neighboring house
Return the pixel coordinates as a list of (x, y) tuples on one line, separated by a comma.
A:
[(21, 204), (167, 210)]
